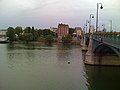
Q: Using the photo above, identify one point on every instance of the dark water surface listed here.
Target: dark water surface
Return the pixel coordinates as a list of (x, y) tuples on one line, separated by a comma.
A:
[(29, 67), (103, 78)]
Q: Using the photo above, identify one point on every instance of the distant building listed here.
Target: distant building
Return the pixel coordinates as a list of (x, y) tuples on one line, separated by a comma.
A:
[(3, 36), (3, 32), (53, 29), (78, 31), (63, 30)]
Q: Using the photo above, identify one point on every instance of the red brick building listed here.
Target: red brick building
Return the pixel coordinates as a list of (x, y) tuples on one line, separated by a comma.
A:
[(63, 30)]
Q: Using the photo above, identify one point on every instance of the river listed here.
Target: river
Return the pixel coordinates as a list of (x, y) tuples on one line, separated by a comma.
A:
[(42, 67)]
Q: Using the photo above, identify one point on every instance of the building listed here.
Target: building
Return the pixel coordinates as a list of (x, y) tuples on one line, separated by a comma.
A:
[(78, 31), (53, 29), (3, 32), (63, 30), (3, 36)]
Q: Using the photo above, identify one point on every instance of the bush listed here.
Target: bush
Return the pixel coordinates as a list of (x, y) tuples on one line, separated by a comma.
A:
[(28, 37), (67, 39), (11, 34), (49, 39)]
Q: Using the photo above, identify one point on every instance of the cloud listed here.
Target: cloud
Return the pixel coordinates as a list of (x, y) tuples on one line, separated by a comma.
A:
[(47, 12)]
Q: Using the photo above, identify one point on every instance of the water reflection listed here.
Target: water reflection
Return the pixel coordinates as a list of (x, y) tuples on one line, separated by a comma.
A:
[(103, 78), (28, 46), (17, 57), (64, 47), (12, 61), (63, 54)]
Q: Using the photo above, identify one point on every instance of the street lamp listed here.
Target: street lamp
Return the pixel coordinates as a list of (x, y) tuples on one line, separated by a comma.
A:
[(111, 25), (86, 25), (101, 7), (84, 28), (103, 29), (91, 16)]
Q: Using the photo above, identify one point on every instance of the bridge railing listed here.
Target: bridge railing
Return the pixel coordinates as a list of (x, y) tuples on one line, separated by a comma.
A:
[(113, 37), (108, 36)]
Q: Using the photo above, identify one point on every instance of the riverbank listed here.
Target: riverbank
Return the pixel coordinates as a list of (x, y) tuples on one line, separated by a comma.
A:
[(74, 42)]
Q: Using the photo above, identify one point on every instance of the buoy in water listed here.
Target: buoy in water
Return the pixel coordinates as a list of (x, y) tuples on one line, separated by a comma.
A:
[(68, 62)]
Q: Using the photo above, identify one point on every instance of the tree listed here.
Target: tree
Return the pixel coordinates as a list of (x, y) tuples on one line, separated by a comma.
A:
[(67, 39), (32, 31), (27, 30), (18, 30), (11, 34), (71, 31), (21, 37), (46, 32), (27, 37), (40, 32), (49, 39)]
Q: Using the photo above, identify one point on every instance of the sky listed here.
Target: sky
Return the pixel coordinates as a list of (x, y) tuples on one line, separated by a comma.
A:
[(49, 13)]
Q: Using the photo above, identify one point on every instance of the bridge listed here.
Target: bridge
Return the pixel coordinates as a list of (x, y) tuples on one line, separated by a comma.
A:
[(101, 48)]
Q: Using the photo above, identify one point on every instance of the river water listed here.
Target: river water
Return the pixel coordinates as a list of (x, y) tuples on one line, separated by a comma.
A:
[(42, 67)]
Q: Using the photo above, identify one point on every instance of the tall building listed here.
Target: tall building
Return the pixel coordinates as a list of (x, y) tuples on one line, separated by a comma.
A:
[(63, 30)]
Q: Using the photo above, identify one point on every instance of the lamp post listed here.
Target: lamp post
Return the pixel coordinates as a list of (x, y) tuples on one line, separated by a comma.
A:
[(101, 7), (91, 16), (86, 25), (103, 27), (111, 25), (84, 28)]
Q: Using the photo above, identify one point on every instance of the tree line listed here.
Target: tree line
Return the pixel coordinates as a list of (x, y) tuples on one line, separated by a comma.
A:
[(29, 34)]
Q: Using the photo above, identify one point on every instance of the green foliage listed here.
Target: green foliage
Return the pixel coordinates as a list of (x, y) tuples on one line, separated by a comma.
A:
[(49, 39), (40, 32), (11, 34), (41, 39), (21, 37), (30, 34), (71, 31), (31, 31), (67, 39), (18, 30), (48, 32), (27, 37), (27, 30), (35, 35)]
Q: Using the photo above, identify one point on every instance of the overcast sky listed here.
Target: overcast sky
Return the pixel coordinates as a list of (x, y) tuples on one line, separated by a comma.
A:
[(47, 13)]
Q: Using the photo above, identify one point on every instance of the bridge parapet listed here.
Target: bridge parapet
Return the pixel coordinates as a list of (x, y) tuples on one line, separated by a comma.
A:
[(108, 36)]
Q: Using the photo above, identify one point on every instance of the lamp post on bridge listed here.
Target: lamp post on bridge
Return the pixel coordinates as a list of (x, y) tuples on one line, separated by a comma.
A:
[(111, 25), (84, 28), (103, 28), (91, 16), (101, 7), (86, 25)]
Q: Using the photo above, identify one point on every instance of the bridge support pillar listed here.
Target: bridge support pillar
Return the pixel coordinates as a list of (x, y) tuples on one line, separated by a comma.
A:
[(84, 47), (89, 59), (82, 40), (89, 56)]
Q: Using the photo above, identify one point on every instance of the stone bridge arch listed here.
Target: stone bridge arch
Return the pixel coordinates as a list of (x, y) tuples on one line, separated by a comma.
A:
[(103, 49)]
